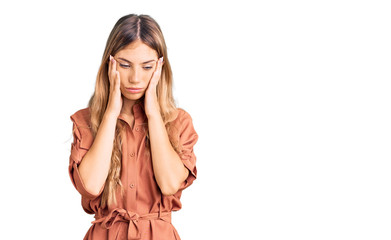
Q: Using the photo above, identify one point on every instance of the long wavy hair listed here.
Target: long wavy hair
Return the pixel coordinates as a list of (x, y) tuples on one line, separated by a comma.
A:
[(130, 28)]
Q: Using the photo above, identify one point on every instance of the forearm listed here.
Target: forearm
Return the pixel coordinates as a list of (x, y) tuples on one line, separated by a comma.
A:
[(167, 166), (95, 164)]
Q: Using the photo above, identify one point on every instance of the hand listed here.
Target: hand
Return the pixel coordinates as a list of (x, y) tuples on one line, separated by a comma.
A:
[(151, 102), (114, 105)]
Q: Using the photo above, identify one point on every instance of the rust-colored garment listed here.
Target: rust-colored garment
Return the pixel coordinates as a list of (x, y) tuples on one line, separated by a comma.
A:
[(144, 212)]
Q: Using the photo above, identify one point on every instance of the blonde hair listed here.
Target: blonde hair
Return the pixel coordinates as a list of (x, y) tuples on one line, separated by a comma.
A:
[(128, 29)]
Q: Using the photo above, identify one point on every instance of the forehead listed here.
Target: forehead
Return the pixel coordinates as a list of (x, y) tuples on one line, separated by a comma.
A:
[(137, 52)]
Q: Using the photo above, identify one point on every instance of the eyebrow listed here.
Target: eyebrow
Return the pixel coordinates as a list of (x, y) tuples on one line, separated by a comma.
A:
[(141, 63)]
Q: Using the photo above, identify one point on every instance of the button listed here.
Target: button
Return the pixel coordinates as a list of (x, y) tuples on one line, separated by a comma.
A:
[(131, 185), (132, 154)]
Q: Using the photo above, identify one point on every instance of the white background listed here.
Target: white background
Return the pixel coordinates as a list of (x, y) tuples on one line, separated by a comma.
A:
[(291, 101)]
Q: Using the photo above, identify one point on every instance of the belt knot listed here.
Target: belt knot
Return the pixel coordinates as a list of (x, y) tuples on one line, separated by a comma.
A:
[(123, 215)]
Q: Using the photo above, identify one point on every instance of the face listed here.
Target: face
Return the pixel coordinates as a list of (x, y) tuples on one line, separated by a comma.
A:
[(135, 64)]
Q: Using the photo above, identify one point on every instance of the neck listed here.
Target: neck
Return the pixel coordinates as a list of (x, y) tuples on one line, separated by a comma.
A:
[(127, 106)]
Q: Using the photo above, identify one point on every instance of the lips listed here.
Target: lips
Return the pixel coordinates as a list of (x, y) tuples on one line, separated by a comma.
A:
[(134, 90)]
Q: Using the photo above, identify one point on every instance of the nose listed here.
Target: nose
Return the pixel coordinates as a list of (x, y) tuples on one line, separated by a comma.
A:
[(134, 77)]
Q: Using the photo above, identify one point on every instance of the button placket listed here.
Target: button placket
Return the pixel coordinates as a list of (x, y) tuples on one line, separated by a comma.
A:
[(132, 185)]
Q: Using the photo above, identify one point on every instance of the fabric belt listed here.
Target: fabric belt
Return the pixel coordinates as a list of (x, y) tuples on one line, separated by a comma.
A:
[(123, 215)]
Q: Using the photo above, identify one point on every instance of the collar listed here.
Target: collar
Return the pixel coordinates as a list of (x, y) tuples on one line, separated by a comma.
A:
[(138, 112)]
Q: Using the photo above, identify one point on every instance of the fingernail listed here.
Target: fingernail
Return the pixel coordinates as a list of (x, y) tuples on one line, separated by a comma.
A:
[(111, 57), (161, 60)]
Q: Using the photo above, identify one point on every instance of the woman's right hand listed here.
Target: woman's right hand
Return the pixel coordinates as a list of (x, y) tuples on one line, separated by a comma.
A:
[(114, 105)]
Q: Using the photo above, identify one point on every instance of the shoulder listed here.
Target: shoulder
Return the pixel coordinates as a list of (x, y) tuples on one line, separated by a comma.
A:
[(184, 119), (183, 115), (82, 127), (82, 117), (186, 126)]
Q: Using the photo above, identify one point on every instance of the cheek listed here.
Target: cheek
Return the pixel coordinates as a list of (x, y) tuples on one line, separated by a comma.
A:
[(147, 76), (121, 76)]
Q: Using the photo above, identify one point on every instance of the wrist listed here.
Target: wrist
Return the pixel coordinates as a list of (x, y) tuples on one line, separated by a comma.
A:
[(153, 112), (154, 115), (109, 116)]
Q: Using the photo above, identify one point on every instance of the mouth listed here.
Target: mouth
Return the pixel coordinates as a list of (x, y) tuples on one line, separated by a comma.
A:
[(134, 90)]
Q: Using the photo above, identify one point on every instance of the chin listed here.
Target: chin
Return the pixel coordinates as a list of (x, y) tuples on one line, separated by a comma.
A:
[(134, 97)]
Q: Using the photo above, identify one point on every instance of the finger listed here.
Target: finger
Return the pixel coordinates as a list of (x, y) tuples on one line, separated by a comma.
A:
[(112, 72), (114, 65), (160, 62), (117, 80), (158, 71), (109, 62), (109, 70)]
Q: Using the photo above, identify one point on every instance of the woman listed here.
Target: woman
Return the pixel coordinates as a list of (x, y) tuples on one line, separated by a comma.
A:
[(132, 153)]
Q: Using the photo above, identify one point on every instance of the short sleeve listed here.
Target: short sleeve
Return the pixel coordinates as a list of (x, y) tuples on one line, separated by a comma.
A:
[(188, 137), (82, 141)]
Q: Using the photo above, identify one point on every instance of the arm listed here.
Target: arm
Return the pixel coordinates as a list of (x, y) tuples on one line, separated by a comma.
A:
[(167, 166), (95, 165)]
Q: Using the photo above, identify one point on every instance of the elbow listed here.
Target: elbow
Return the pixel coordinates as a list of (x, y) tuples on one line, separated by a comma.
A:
[(93, 189), (169, 190), (93, 192), (172, 186), (168, 193)]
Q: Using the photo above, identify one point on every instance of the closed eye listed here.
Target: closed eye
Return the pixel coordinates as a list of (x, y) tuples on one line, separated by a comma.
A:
[(124, 65), (147, 67)]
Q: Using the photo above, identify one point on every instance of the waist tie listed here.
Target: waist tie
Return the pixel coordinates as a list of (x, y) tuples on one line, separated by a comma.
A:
[(123, 215)]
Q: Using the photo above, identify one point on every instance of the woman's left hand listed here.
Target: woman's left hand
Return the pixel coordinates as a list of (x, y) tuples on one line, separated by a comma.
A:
[(151, 103)]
